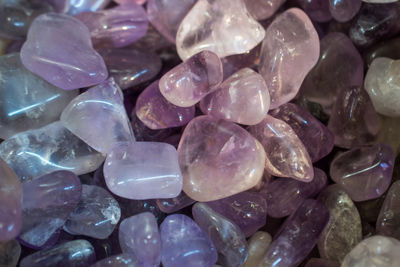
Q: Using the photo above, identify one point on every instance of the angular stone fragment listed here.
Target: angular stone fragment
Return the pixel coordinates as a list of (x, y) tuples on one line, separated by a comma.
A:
[(344, 10), (317, 10), (9, 253), (170, 205), (388, 222), (120, 260), (258, 245), (261, 9)]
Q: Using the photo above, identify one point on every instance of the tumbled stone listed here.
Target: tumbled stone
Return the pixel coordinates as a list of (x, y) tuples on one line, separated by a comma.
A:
[(380, 1), (227, 237), (10, 203), (258, 245), (144, 133), (261, 10), (87, 115), (9, 253), (143, 170), (170, 205), (139, 2), (218, 159), (364, 173), (185, 244), (314, 135), (286, 155), (47, 202), (317, 262), (139, 235), (389, 132), (297, 236), (3, 45), (389, 216), (59, 50), (344, 10), (157, 113), (120, 260), (224, 27), (242, 98), (77, 253), (317, 10), (75, 7), (284, 196), (192, 80), (387, 48), (27, 101), (377, 251), (289, 51)]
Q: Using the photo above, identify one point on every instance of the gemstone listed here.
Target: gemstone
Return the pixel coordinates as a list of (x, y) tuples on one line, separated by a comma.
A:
[(389, 216), (317, 262), (76, 7), (120, 260), (389, 132), (261, 9), (170, 205), (318, 10), (258, 245), (344, 10), (9, 253), (139, 2), (388, 48)]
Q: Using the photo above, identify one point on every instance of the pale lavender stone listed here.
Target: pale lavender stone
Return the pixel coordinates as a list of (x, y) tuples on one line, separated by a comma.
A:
[(185, 244), (59, 50), (98, 117), (143, 170), (139, 235), (344, 10), (120, 260), (76, 7), (263, 9), (170, 205)]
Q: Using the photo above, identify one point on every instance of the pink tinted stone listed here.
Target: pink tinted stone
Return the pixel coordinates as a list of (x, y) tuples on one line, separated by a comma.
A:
[(157, 113), (263, 9), (364, 173), (388, 222), (170, 205), (317, 10), (242, 98), (223, 27), (143, 170), (59, 50), (139, 2), (98, 117), (218, 159), (192, 80), (286, 155), (116, 27), (289, 51), (344, 10)]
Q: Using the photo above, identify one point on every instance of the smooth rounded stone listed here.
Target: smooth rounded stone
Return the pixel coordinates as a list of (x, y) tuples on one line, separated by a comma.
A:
[(224, 27), (286, 155), (96, 214), (375, 251), (353, 121), (242, 98), (343, 231), (143, 170), (185, 244), (59, 50), (139, 235), (389, 132), (315, 136), (297, 236), (120, 260), (139, 2), (144, 133), (258, 245), (317, 262), (77, 253), (170, 205), (227, 237), (98, 117), (261, 9), (364, 173), (325, 80), (26, 100), (157, 113), (317, 10), (218, 159), (248, 210), (382, 85), (74, 7), (48, 200), (344, 10), (9, 253), (289, 51), (387, 48), (389, 216), (379, 1), (190, 81), (131, 67), (51, 148), (167, 15), (10, 203), (284, 196)]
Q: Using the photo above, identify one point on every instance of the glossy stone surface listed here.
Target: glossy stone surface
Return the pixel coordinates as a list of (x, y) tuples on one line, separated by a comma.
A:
[(77, 253), (377, 251), (10, 203), (166, 15), (26, 100), (120, 260), (317, 10), (47, 202), (223, 27), (96, 214), (289, 51), (284, 196), (325, 80), (37, 152), (388, 133), (364, 173), (75, 7), (258, 245), (344, 10), (87, 115), (59, 50), (218, 159), (116, 27), (185, 244), (314, 135), (139, 235), (389, 216), (139, 2), (143, 170), (227, 237), (242, 98), (343, 231), (261, 9), (297, 236), (190, 81), (170, 205), (9, 253), (286, 155), (157, 113), (387, 48)]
